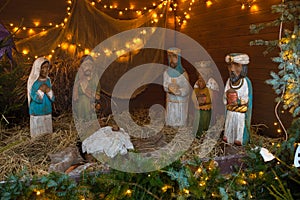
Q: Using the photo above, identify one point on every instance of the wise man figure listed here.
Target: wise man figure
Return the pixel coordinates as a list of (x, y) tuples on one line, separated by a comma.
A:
[(238, 100), (176, 85)]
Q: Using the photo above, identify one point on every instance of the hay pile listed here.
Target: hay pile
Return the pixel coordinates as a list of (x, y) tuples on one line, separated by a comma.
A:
[(18, 151)]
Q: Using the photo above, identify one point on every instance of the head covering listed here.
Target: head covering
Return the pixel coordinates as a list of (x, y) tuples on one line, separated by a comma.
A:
[(178, 69), (34, 74), (239, 58)]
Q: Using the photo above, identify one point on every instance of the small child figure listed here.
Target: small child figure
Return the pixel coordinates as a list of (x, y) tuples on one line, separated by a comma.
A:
[(202, 103), (40, 98)]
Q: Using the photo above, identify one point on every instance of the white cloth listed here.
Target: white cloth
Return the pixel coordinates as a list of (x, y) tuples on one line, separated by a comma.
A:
[(40, 125), (235, 121), (177, 105), (108, 141)]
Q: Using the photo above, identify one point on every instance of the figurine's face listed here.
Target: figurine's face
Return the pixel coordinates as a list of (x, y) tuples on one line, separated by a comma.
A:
[(201, 82), (173, 59), (235, 70), (87, 68), (44, 70)]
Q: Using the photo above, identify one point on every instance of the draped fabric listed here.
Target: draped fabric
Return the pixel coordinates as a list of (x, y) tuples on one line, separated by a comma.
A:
[(86, 28)]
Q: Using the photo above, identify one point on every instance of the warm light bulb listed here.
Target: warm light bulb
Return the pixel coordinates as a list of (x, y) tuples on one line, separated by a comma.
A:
[(208, 3), (186, 191), (294, 36), (187, 16), (202, 183), (86, 51), (275, 123), (38, 193), (243, 6), (31, 31), (93, 3), (11, 24), (25, 51), (24, 28), (120, 13), (278, 130), (253, 8), (199, 170), (128, 192), (50, 24), (36, 23)]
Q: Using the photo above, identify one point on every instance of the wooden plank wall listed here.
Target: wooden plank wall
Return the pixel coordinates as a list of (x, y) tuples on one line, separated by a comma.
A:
[(224, 28)]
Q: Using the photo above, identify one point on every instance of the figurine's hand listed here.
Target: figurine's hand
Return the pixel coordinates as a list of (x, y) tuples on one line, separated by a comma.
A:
[(47, 89), (43, 87), (173, 88), (97, 97)]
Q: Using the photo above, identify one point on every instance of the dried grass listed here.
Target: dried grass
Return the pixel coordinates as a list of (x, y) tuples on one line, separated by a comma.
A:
[(19, 151)]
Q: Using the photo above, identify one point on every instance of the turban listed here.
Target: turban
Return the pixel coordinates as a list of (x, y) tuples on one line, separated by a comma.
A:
[(239, 58), (174, 50)]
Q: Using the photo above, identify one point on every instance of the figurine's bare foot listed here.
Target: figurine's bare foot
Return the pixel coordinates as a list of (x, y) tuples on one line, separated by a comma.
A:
[(237, 142), (224, 138)]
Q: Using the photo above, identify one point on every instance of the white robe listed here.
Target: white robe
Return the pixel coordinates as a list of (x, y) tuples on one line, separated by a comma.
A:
[(235, 121), (177, 105)]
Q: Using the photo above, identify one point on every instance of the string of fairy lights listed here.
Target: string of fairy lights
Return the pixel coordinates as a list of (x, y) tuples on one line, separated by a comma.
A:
[(175, 5)]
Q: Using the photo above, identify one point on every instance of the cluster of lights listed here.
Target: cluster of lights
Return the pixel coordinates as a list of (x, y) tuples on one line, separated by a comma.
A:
[(36, 24), (181, 11), (248, 4), (278, 129)]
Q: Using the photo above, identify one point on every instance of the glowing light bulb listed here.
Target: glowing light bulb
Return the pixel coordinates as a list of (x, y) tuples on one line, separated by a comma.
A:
[(278, 130), (128, 192), (25, 51), (208, 3)]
